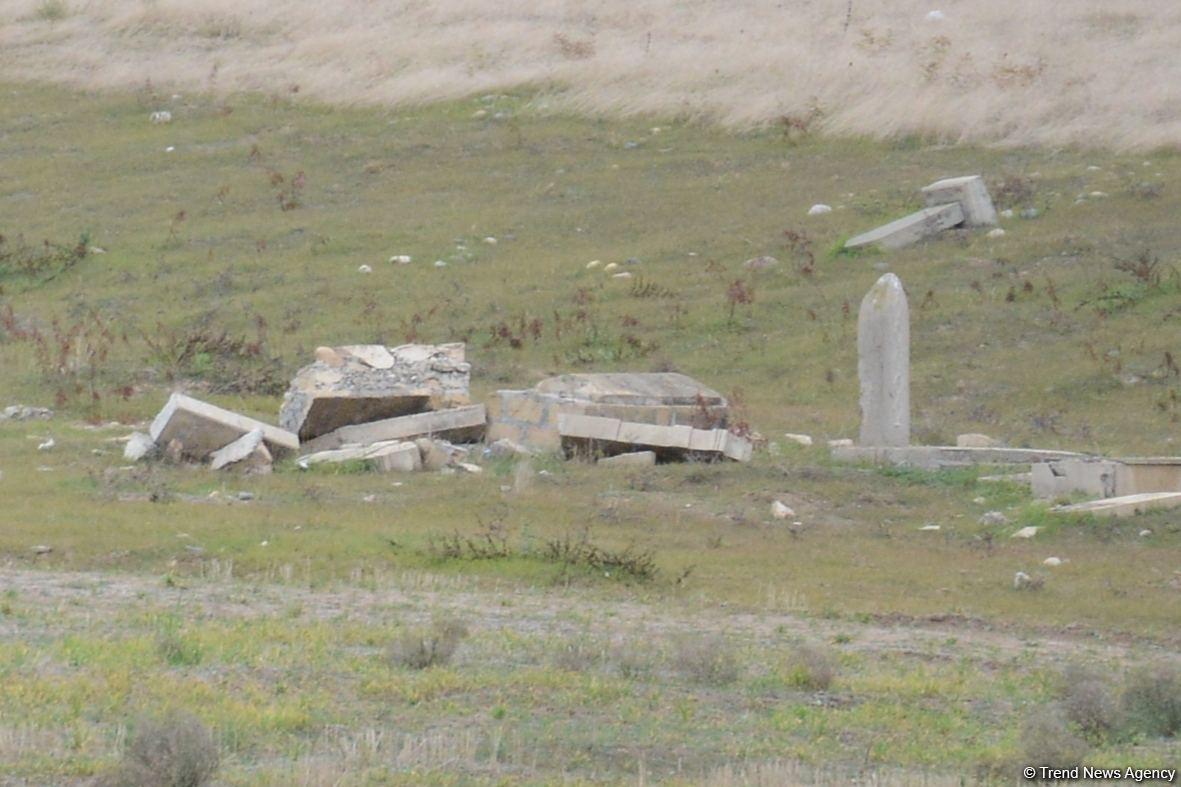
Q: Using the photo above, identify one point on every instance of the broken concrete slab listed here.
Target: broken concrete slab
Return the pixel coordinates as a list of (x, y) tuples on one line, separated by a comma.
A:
[(630, 459), (932, 457), (247, 454), (1125, 505), (1105, 478), (357, 384), (200, 428), (969, 193), (674, 442), (530, 417), (461, 424), (911, 229)]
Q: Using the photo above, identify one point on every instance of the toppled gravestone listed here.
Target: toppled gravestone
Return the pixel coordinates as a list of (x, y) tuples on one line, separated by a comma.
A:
[(530, 418), (358, 384), (196, 429), (952, 202)]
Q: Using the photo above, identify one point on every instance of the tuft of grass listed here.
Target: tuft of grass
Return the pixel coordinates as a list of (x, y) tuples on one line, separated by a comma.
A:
[(1048, 740), (420, 648), (174, 750), (177, 649), (1088, 701), (52, 10)]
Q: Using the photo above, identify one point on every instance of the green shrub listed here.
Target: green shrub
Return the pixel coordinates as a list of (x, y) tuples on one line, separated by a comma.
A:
[(1152, 700), (811, 667), (175, 750)]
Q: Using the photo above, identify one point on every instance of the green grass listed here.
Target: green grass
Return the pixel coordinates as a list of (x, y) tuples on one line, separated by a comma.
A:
[(197, 243)]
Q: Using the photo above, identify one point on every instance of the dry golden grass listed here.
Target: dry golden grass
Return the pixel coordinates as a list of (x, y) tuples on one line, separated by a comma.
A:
[(1086, 72)]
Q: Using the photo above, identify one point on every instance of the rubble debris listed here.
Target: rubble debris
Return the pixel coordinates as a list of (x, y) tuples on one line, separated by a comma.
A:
[(140, 445), (801, 439), (359, 384), (612, 436), (1026, 532), (464, 424), (199, 428), (530, 417), (23, 412), (629, 459), (247, 454), (389, 456), (434, 454), (969, 192)]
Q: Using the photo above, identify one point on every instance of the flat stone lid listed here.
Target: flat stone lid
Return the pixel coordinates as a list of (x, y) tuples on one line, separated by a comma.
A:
[(643, 388)]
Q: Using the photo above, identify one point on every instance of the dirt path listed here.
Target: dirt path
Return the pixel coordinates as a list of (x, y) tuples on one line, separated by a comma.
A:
[(80, 596)]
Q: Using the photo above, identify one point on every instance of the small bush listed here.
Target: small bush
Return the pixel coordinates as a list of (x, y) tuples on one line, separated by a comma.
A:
[(1152, 700), (811, 667), (1047, 740), (1088, 701), (420, 648), (175, 750), (577, 654), (706, 659), (632, 658)]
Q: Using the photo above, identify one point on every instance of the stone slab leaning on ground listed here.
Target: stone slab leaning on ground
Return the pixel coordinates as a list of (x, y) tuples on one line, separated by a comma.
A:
[(201, 428)]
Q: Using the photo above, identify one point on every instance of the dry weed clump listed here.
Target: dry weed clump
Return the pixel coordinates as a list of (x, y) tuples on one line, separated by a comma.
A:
[(420, 648), (1152, 700), (1048, 740), (811, 667), (1089, 701), (174, 750), (707, 659)]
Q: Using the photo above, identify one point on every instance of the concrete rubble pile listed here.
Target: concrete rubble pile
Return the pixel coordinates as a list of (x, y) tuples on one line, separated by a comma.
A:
[(408, 408)]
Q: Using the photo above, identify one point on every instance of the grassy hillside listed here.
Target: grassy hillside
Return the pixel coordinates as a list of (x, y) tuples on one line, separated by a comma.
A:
[(230, 245)]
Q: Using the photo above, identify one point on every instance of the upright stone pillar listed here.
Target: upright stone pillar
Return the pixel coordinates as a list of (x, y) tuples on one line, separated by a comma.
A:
[(883, 364)]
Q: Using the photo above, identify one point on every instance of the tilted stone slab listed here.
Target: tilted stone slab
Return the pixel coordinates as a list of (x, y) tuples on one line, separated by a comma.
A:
[(932, 457), (911, 229), (361, 383), (247, 454), (1126, 505), (202, 428), (395, 455), (969, 192), (459, 424), (666, 439)]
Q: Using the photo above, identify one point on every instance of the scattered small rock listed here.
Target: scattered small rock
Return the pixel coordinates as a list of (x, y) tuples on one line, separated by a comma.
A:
[(979, 501), (819, 209), (440, 263), (843, 442), (1007, 213), (401, 259), (1026, 532), (42, 549), (996, 233), (1054, 561), (1030, 213), (160, 117), (1098, 195), (781, 510), (1145, 533), (47, 445), (23, 412), (802, 439), (630, 145), (1023, 581), (505, 447), (468, 467), (139, 446), (491, 241), (245, 496), (994, 518), (936, 16), (364, 269), (593, 264), (623, 275), (610, 266), (930, 527), (760, 263)]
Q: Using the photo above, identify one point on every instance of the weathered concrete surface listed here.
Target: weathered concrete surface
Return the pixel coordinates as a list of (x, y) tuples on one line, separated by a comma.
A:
[(631, 459), (461, 424), (201, 428), (247, 454), (615, 436), (530, 417), (1108, 478), (932, 457), (393, 455), (1126, 505), (362, 383), (970, 193), (911, 229), (883, 364)]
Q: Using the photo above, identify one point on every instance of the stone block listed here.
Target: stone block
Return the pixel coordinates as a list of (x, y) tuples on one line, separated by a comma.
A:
[(970, 193), (1069, 476), (363, 383), (911, 229), (459, 424), (434, 455), (883, 364), (201, 428), (1153, 474), (1125, 505), (247, 454), (632, 459), (397, 458), (651, 434), (667, 440)]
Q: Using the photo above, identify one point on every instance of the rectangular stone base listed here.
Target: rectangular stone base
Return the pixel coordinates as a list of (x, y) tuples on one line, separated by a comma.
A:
[(202, 428), (932, 457), (614, 436)]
